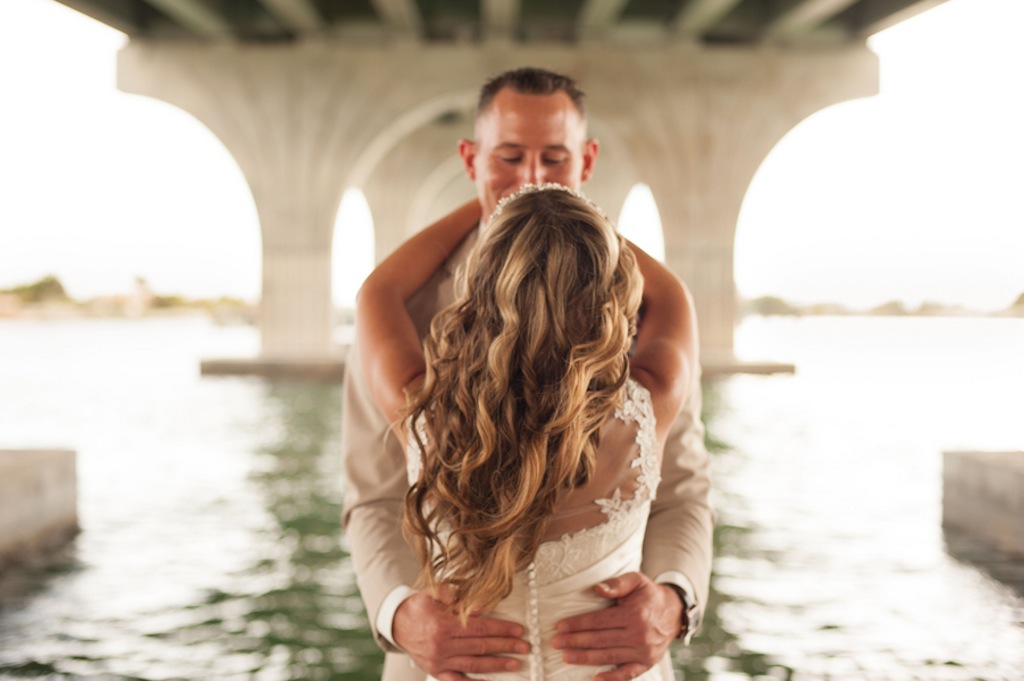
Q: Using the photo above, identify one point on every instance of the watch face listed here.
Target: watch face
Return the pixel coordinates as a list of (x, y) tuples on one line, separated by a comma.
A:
[(690, 623)]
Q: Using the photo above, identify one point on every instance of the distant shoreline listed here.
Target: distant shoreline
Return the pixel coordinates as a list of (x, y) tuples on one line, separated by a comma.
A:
[(48, 299), (250, 313), (773, 306)]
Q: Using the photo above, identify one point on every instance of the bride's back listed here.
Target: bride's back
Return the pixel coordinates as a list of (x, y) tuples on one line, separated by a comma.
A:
[(595, 533)]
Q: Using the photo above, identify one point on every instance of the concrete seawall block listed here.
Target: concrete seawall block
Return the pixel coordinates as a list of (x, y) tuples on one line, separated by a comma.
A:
[(983, 495), (38, 500)]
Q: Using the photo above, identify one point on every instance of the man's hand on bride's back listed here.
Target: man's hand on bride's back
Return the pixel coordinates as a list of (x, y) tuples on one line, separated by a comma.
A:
[(435, 639), (632, 634)]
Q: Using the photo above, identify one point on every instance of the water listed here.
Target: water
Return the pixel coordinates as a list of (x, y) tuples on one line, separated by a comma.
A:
[(831, 560), (211, 546)]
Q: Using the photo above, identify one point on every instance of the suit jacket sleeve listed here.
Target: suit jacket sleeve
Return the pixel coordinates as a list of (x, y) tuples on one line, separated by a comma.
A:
[(681, 521), (375, 485)]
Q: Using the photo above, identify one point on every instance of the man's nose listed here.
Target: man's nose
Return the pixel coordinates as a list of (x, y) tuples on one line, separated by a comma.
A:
[(532, 172)]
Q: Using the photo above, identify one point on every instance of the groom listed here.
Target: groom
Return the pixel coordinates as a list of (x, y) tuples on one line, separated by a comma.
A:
[(530, 128)]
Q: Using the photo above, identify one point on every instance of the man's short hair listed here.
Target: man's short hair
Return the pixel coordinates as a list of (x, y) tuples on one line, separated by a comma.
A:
[(531, 81)]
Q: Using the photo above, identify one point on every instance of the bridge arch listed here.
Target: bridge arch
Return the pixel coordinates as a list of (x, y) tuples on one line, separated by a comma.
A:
[(640, 221), (777, 251), (409, 169), (352, 256), (205, 218), (306, 122)]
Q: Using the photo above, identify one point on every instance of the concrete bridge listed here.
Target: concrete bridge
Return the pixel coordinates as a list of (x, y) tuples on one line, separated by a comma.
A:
[(313, 96)]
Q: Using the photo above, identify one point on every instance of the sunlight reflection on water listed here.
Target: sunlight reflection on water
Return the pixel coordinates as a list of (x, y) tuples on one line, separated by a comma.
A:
[(832, 483), (211, 546)]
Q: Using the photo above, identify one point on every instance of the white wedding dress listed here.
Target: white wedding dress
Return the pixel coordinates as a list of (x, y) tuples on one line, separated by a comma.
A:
[(597, 533)]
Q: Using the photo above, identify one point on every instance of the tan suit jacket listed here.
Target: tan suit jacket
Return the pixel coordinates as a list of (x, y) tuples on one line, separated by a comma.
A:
[(678, 532)]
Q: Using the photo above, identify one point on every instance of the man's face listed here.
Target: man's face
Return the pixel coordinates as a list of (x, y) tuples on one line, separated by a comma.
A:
[(527, 139)]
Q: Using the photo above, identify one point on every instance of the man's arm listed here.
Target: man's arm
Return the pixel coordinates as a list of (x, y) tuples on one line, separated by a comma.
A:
[(679, 530), (375, 486)]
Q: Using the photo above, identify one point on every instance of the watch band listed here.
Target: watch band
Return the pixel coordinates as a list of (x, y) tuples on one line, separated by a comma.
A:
[(687, 626)]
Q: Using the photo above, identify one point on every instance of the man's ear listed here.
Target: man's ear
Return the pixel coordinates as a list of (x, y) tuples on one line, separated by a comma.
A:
[(590, 149), (467, 151)]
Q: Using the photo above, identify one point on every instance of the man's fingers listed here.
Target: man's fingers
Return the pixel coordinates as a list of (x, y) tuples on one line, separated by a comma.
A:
[(477, 656), (622, 673), (451, 676), (481, 665), (608, 618), (462, 647), (603, 638), (477, 627), (617, 587), (443, 593), (601, 656), (437, 642), (630, 635)]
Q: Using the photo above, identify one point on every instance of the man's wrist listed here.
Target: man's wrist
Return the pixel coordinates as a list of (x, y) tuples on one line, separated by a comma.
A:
[(385, 619), (688, 618), (690, 615)]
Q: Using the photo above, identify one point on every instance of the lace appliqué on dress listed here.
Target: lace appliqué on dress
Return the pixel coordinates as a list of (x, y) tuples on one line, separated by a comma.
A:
[(638, 407), (559, 558)]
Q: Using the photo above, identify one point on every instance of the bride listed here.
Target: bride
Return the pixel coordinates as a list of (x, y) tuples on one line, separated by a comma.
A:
[(534, 414)]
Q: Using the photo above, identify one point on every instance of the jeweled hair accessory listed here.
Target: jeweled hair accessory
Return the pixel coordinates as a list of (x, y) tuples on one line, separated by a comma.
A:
[(535, 188)]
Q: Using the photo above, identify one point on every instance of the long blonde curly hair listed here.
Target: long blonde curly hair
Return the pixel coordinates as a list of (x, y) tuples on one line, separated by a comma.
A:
[(522, 371)]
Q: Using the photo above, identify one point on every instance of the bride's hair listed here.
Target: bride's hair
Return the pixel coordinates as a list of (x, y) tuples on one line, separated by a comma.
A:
[(522, 371)]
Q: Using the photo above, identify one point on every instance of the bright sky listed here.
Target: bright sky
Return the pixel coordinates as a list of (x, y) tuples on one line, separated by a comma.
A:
[(911, 195), (914, 194)]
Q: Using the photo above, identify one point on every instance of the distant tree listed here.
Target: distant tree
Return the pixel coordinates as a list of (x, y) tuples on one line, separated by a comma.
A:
[(826, 309), (47, 289), (892, 308), (771, 305), (930, 308), (169, 302)]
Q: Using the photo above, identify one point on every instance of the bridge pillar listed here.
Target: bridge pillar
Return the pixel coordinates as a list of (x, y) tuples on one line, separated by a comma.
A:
[(706, 121), (277, 112), (411, 184)]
